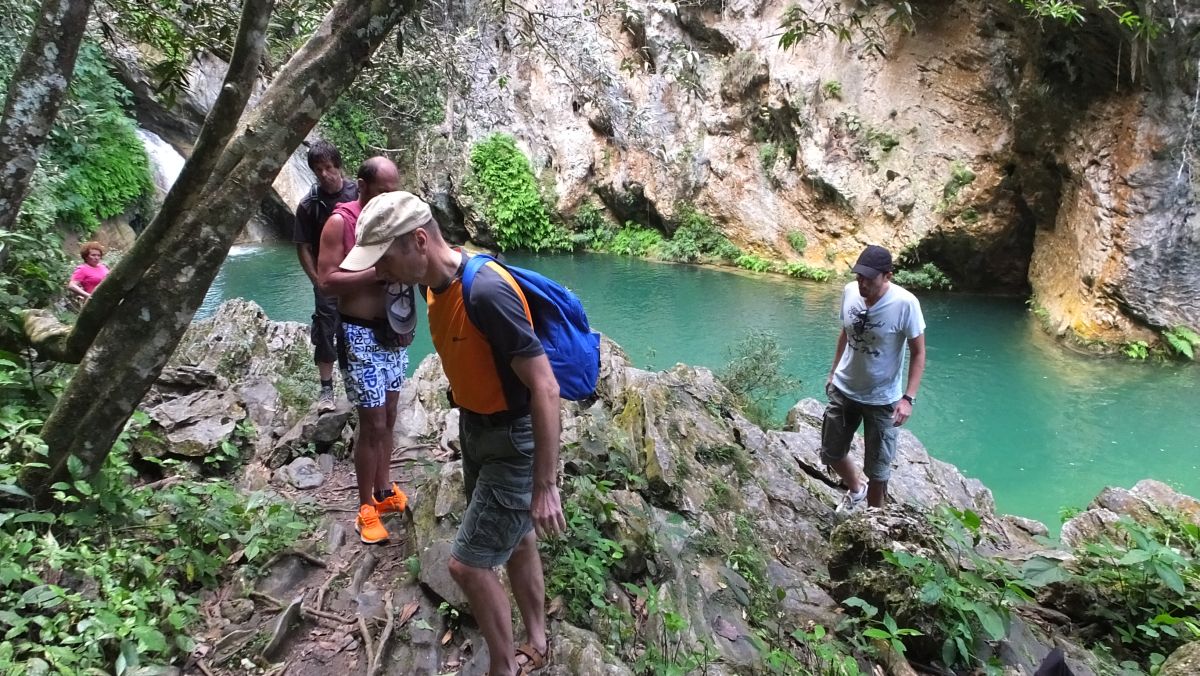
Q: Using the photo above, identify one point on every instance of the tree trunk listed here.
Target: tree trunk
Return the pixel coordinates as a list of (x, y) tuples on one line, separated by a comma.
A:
[(35, 93), (143, 330)]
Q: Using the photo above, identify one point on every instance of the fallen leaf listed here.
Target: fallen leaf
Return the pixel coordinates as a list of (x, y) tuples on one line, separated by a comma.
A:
[(448, 637), (556, 607), (407, 612), (235, 557)]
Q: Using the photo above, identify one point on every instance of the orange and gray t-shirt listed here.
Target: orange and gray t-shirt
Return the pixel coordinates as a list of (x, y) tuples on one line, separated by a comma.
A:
[(477, 359)]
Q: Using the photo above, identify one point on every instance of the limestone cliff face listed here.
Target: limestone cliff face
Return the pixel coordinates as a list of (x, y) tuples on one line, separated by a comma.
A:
[(1013, 156)]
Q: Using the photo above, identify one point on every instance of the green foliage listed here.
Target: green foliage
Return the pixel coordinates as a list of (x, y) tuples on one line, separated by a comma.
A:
[(970, 215), (94, 146), (754, 263), (755, 377), (1138, 350), (633, 240), (848, 24), (824, 657), (663, 633), (884, 629), (966, 602), (503, 183), (801, 270), (960, 177), (697, 239), (885, 140), (928, 276), (110, 576), (767, 154), (832, 89), (1147, 580), (578, 564), (357, 133), (797, 240), (1182, 341)]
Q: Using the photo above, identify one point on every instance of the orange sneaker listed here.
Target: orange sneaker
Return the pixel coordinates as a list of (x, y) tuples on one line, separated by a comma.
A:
[(396, 502), (370, 530)]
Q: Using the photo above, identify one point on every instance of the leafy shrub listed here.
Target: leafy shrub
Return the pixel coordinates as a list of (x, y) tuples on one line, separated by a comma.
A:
[(358, 134), (697, 240), (832, 89), (578, 564), (804, 271), (1137, 349), (754, 263), (504, 184), (767, 154), (928, 276), (960, 177), (797, 241), (755, 377), (1182, 341), (105, 168), (634, 240), (1147, 580)]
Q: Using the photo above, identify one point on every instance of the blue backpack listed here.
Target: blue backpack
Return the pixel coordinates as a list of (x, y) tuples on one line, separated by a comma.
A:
[(559, 322)]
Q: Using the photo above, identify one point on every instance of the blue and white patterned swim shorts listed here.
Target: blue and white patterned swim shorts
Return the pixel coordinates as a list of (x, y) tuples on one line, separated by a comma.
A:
[(371, 371)]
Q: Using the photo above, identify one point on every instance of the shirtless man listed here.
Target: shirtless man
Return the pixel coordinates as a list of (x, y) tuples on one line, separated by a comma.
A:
[(373, 358)]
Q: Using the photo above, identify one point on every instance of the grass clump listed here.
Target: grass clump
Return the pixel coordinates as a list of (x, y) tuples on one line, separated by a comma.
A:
[(928, 276), (697, 240)]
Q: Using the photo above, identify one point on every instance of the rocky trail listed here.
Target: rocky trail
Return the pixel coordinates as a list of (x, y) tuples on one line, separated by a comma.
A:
[(334, 605)]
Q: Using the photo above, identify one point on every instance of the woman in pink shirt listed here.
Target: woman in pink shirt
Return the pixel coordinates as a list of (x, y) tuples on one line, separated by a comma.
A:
[(88, 276)]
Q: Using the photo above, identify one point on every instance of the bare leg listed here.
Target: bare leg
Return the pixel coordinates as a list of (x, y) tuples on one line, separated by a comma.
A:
[(529, 589), (490, 606), (849, 473), (876, 492), (366, 451), (384, 445), (325, 370)]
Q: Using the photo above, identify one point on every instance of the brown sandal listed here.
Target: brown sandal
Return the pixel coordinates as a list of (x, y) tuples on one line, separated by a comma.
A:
[(535, 661)]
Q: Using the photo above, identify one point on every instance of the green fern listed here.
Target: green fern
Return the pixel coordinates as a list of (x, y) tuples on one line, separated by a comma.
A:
[(1182, 341)]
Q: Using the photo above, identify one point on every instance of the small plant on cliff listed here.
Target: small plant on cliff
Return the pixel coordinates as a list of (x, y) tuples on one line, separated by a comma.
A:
[(960, 177), (832, 89), (1138, 350), (755, 377), (505, 186), (797, 241), (801, 270), (578, 564), (876, 629), (1182, 341)]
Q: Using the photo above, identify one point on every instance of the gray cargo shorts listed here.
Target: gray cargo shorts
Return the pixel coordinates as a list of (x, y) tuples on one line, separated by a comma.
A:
[(498, 478), (842, 418)]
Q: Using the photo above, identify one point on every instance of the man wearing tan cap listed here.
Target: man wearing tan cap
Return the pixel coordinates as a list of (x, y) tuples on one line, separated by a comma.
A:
[(505, 390), (372, 356)]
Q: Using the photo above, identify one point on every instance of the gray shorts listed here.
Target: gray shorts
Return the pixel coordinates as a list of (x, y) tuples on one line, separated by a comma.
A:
[(498, 478), (842, 418)]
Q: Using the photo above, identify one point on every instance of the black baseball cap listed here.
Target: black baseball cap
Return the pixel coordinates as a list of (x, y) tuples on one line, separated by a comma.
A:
[(873, 261)]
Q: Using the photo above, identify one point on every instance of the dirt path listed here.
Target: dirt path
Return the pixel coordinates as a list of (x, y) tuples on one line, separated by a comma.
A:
[(335, 605)]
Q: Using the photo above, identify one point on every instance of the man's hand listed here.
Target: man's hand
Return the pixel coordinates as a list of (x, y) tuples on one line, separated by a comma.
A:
[(903, 412), (547, 513)]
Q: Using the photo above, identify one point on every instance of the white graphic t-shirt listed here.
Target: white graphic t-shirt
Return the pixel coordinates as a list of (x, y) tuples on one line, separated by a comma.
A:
[(871, 365)]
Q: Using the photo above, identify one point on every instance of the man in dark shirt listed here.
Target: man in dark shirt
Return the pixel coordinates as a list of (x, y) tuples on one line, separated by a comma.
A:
[(502, 383), (331, 189)]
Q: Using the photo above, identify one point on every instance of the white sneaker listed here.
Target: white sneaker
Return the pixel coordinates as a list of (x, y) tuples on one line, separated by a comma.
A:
[(850, 501), (325, 402)]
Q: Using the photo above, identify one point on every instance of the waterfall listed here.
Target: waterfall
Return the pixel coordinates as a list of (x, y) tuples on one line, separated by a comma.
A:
[(165, 161)]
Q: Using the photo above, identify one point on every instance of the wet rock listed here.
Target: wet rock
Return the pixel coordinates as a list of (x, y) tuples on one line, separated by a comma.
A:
[(435, 575), (302, 473), (1185, 661), (193, 425)]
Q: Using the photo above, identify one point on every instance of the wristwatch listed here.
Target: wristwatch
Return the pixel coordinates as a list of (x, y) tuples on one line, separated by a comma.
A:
[(909, 399)]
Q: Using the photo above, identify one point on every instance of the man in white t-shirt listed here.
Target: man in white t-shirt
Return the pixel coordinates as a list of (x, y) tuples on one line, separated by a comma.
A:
[(864, 385)]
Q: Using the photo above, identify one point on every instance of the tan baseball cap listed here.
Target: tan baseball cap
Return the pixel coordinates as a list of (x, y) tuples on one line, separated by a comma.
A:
[(385, 218)]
